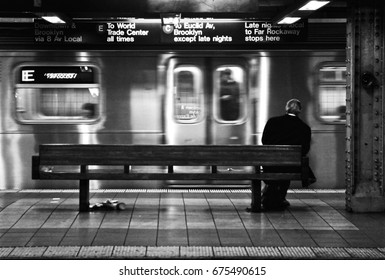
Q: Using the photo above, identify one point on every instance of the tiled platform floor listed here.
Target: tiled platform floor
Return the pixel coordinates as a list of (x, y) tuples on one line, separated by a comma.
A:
[(186, 223)]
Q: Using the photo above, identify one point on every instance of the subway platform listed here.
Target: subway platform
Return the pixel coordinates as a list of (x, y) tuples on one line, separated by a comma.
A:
[(194, 223)]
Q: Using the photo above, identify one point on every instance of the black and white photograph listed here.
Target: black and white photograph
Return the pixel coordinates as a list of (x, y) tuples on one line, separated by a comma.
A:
[(192, 139)]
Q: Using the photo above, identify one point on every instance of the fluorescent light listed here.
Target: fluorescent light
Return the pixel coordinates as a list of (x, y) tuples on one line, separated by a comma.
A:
[(288, 20), (313, 5), (264, 93), (14, 20), (53, 19)]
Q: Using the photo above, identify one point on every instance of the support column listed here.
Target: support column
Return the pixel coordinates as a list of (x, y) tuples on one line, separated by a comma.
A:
[(365, 103)]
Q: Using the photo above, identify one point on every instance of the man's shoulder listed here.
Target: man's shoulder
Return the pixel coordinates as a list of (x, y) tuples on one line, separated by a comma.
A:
[(277, 118), (287, 119)]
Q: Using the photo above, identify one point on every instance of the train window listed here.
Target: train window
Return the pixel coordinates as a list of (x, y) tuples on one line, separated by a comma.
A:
[(68, 94), (332, 93), (229, 91), (187, 94)]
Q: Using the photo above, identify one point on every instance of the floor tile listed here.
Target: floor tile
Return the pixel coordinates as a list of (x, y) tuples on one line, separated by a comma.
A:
[(103, 252), (141, 237), (77, 241), (88, 220), (163, 252), (144, 223), (124, 252), (51, 231), (53, 240), (175, 222), (116, 219), (283, 220), (203, 237), (357, 238), (168, 201), (27, 252), (15, 239), (228, 223), (234, 237), (376, 235), (365, 253), (196, 252), (264, 252), (62, 252), (297, 253), (194, 202), (327, 238), (31, 221), (257, 222), (110, 237), (230, 251), (331, 253), (296, 237), (172, 237), (60, 220), (79, 236), (265, 237), (198, 210)]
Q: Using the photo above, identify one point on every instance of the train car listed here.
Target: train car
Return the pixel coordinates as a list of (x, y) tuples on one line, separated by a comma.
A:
[(158, 97)]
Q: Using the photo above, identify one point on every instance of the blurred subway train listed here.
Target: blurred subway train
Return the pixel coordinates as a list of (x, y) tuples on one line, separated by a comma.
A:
[(158, 97)]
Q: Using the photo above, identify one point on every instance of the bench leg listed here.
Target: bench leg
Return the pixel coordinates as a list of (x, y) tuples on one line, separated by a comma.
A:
[(84, 195), (255, 196)]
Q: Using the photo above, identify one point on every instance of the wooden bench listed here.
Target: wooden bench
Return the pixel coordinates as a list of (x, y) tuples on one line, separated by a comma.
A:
[(124, 156)]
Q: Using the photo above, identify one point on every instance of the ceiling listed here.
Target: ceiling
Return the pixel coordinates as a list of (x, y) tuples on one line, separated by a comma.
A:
[(19, 10)]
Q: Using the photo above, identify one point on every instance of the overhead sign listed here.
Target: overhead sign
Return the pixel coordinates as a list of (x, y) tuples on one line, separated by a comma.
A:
[(124, 32), (231, 31), (169, 31)]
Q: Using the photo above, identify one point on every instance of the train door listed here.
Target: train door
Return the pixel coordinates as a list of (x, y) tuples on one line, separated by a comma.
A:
[(206, 102), (229, 103), (185, 115)]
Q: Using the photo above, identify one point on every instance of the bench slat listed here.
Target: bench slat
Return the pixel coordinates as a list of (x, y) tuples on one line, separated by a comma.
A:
[(168, 176), (200, 155)]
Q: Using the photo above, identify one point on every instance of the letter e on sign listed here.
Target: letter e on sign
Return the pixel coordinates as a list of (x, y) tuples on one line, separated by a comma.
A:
[(27, 76)]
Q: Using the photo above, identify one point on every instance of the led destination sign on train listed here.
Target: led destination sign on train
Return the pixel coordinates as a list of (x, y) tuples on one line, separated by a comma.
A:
[(55, 75)]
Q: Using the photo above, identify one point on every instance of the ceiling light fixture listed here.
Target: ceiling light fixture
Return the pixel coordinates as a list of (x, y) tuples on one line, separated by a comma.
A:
[(313, 5), (289, 20), (302, 9), (54, 19)]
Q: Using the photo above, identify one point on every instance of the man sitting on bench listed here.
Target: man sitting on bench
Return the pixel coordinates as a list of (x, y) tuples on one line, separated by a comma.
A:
[(288, 129)]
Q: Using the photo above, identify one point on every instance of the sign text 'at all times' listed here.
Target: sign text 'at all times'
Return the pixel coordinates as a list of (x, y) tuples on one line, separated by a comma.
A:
[(124, 32)]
